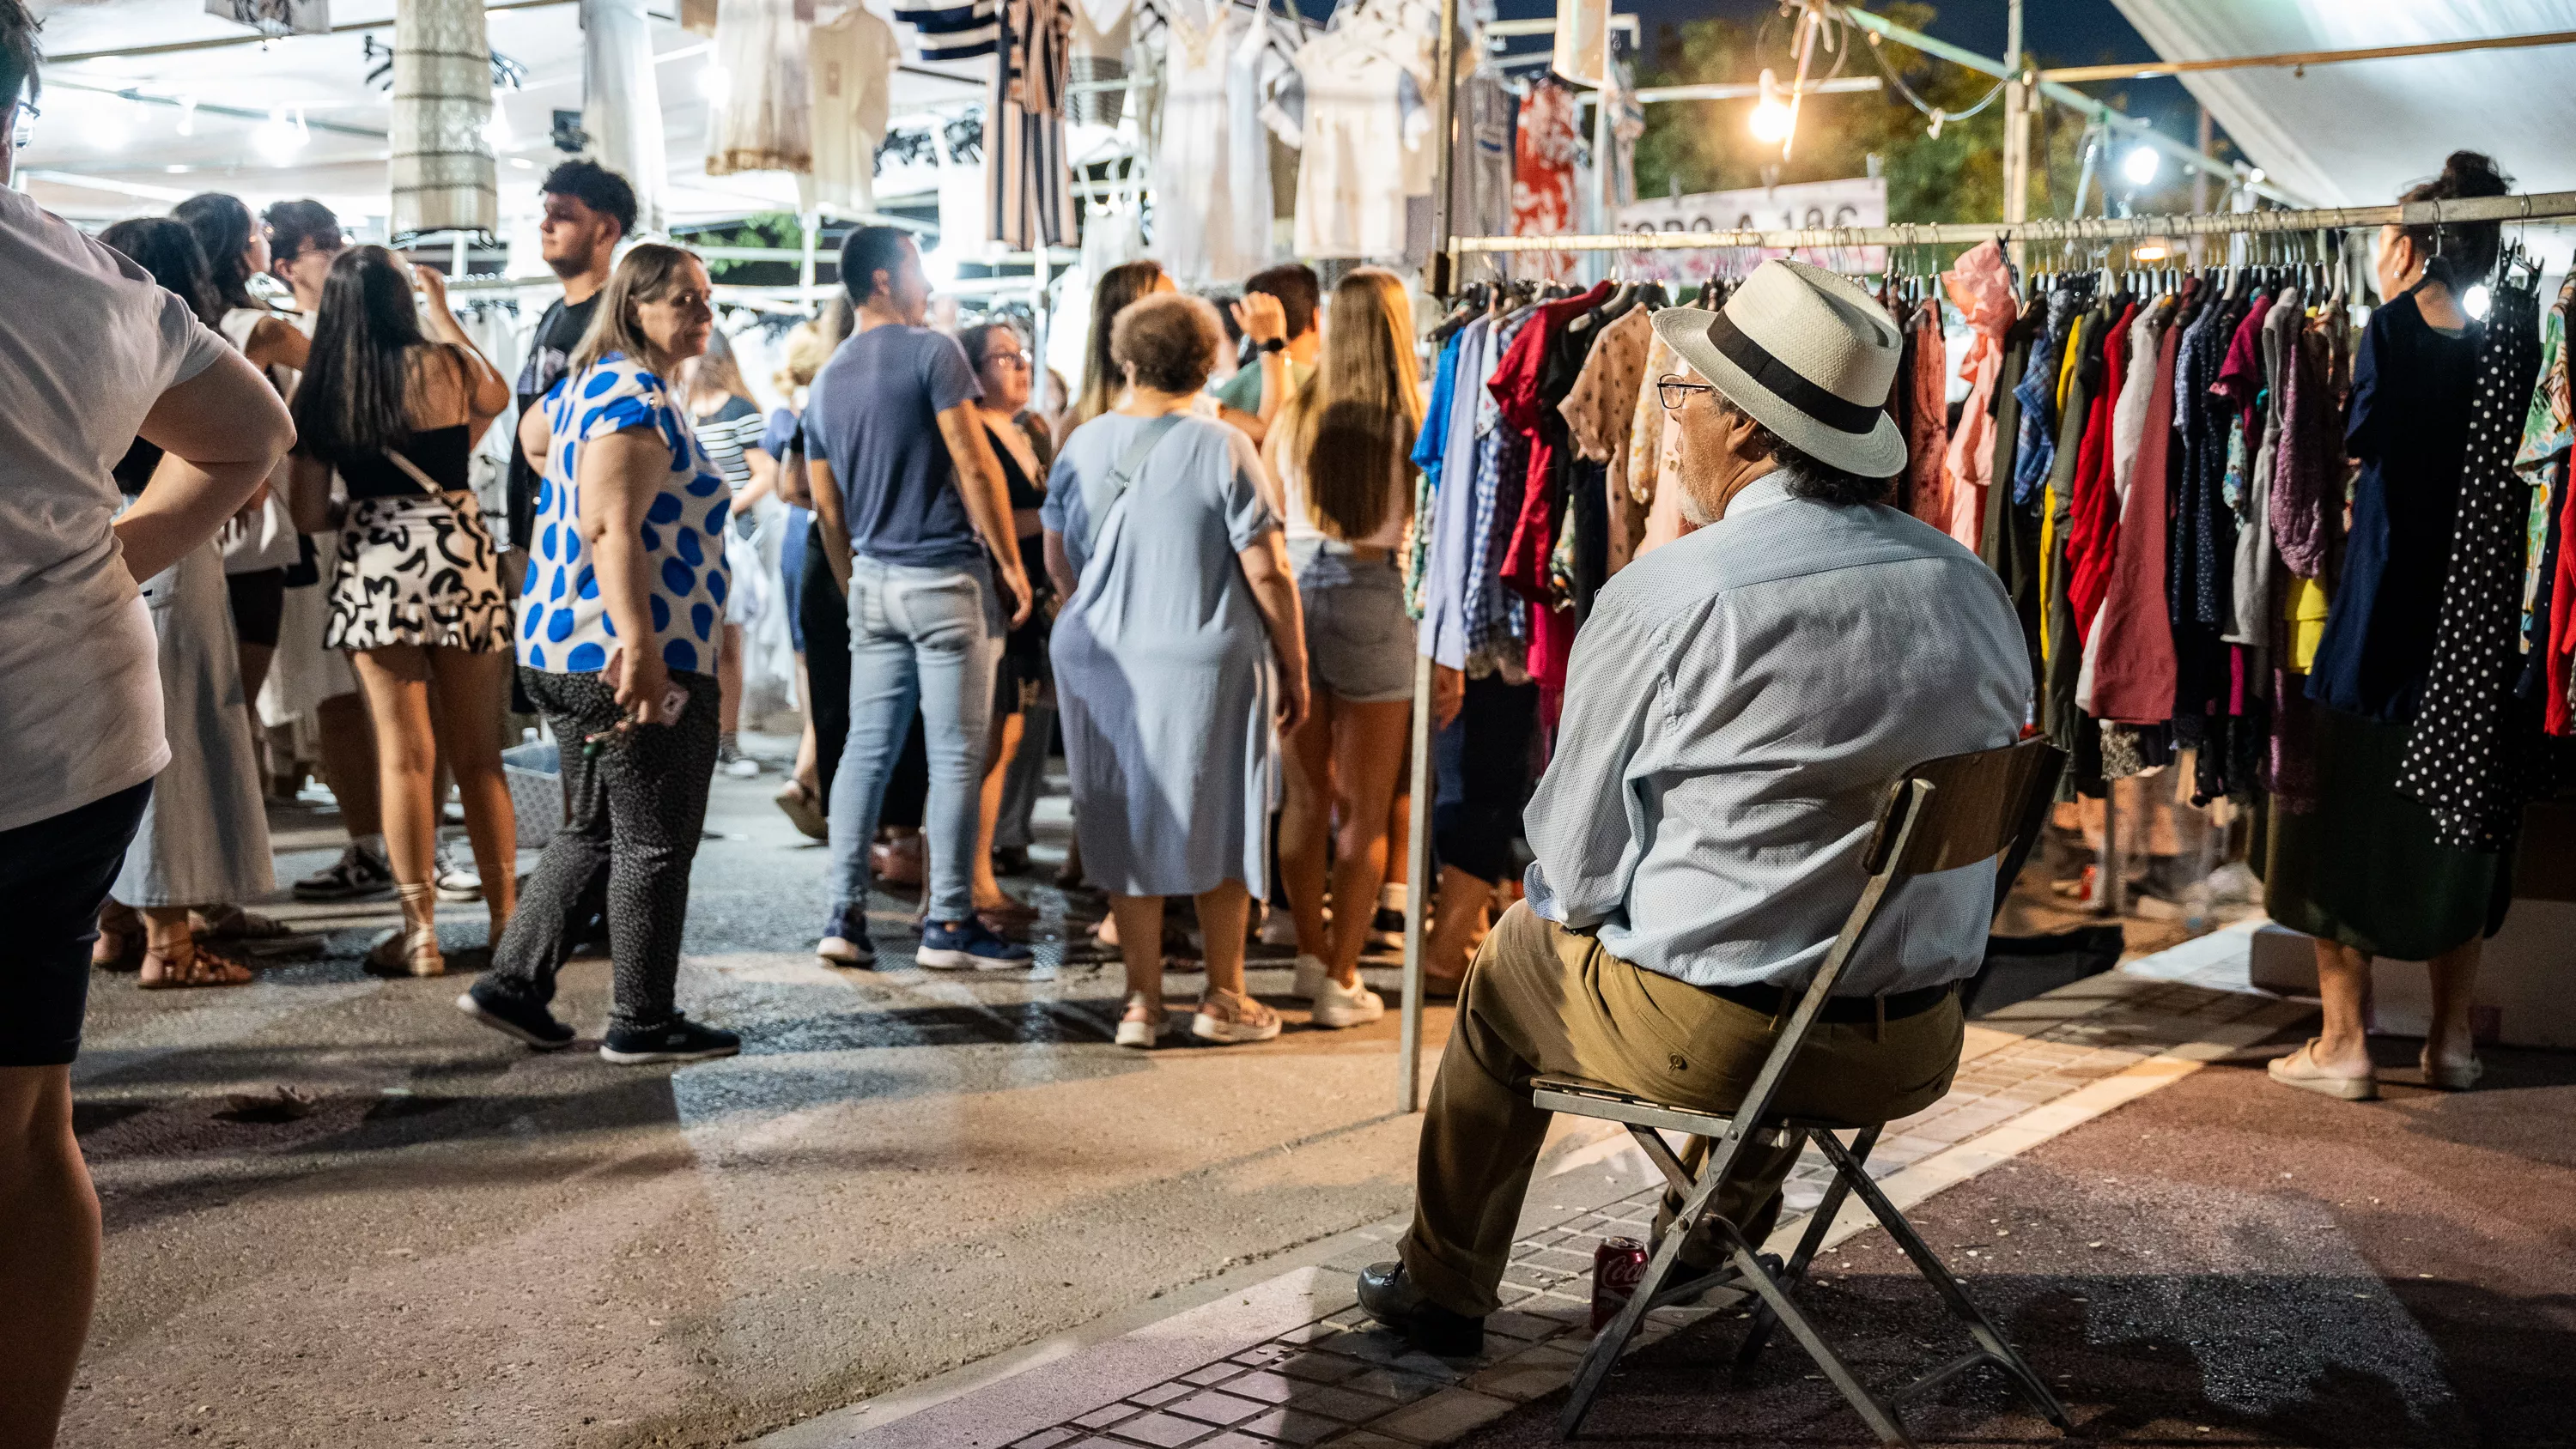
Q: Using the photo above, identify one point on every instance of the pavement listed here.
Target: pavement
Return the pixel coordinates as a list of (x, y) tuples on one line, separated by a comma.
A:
[(339, 1212), (939, 1209)]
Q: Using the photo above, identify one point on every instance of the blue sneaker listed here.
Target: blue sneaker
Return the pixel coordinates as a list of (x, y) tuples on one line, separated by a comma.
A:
[(968, 946)]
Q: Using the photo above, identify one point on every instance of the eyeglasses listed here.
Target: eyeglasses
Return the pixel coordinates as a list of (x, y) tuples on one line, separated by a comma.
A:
[(25, 130), (1673, 391), (1019, 360)]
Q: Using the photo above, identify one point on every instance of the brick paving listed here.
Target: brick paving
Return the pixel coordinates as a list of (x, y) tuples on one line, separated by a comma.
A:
[(2026, 1073)]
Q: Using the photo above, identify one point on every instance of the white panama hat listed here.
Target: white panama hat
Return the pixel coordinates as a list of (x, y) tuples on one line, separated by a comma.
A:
[(1806, 354)]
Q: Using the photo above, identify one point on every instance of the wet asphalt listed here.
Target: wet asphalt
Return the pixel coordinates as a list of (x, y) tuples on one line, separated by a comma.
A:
[(340, 1213)]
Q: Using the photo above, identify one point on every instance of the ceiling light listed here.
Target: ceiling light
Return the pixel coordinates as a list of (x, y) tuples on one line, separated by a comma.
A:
[(2141, 165), (278, 138)]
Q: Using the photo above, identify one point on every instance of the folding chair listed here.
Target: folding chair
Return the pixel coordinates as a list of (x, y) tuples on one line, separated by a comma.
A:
[(1944, 813)]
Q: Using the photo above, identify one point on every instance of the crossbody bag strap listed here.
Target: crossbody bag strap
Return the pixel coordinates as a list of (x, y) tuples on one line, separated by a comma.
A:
[(429, 485), (1125, 473)]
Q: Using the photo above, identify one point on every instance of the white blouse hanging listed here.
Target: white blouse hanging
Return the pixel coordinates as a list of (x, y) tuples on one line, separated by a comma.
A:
[(851, 60), (765, 120)]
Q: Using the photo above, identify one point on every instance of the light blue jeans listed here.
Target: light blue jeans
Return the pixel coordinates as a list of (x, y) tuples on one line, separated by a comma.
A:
[(922, 636)]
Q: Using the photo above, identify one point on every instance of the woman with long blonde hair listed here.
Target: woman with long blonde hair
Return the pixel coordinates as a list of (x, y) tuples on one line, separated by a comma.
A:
[(729, 425), (1103, 381), (1339, 453)]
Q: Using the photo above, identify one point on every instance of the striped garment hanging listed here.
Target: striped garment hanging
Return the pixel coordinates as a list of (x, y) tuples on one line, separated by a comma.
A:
[(953, 32), (1025, 175)]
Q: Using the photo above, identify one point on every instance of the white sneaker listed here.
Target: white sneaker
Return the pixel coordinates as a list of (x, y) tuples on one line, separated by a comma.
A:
[(457, 880), (842, 951), (1311, 976), (1143, 1025), (1338, 1006)]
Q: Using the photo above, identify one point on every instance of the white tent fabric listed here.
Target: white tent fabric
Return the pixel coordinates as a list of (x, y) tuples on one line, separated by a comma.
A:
[(2356, 133)]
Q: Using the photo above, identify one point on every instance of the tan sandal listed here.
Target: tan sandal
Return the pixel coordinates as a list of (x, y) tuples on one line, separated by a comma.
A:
[(410, 949), (204, 965)]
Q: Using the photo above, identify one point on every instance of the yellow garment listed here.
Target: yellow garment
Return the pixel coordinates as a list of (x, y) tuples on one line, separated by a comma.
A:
[(2047, 556), (2305, 610)]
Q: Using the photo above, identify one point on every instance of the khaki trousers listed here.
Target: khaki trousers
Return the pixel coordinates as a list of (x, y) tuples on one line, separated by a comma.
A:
[(1540, 1000)]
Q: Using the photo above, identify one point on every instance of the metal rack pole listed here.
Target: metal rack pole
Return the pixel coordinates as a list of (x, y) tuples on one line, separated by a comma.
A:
[(1417, 836), (2535, 206)]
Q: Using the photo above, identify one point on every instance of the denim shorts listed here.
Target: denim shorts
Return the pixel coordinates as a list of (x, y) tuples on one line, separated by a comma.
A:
[(1359, 642)]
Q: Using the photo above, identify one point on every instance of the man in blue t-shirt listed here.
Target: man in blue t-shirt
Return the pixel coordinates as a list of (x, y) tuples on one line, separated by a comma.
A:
[(916, 525)]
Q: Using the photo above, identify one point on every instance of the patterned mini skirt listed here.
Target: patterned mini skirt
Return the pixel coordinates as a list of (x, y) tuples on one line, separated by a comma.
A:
[(418, 570)]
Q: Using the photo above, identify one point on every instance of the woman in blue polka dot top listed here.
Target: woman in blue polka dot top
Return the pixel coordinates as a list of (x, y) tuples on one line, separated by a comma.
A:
[(617, 635)]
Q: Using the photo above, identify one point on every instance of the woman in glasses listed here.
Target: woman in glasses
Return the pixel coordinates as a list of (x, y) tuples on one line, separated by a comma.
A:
[(1002, 364)]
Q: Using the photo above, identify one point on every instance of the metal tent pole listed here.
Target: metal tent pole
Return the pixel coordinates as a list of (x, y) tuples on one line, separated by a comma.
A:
[(1417, 842)]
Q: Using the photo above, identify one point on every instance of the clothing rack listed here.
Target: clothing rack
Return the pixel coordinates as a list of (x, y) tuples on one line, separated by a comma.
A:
[(1447, 250)]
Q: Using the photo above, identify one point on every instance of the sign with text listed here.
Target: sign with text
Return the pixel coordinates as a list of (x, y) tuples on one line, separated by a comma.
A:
[(1858, 201)]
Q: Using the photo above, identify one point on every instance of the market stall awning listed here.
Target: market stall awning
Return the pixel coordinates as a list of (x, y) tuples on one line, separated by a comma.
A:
[(2356, 133)]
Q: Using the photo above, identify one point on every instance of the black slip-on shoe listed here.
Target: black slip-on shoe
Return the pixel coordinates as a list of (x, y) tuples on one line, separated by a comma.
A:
[(1389, 1296), (512, 1016)]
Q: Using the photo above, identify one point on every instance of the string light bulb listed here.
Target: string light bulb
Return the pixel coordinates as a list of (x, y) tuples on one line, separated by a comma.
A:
[(1772, 119), (2141, 165)]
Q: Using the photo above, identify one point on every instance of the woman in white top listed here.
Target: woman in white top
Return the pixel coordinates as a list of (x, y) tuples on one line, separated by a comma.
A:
[(1340, 451), (261, 544)]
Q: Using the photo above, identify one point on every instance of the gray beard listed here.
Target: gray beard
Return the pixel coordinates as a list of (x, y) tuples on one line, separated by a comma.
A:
[(1695, 510)]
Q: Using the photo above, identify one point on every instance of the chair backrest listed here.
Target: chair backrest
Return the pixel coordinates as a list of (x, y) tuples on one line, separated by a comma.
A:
[(1980, 805), (1942, 814)]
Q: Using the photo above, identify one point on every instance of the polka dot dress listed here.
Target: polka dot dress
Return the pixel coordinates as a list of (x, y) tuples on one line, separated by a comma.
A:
[(2467, 756), (564, 626)]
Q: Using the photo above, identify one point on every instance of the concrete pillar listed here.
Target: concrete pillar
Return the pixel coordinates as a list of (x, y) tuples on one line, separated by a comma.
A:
[(441, 168)]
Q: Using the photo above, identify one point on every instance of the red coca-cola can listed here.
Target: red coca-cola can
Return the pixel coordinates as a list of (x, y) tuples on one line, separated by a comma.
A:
[(1618, 1266)]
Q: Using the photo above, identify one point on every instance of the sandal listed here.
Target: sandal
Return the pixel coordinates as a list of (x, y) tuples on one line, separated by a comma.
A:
[(120, 944), (803, 809), (1226, 1017), (204, 965), (1143, 1023), (253, 932), (410, 949)]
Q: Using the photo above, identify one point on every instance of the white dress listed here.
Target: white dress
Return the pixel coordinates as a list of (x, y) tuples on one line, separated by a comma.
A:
[(766, 120), (1194, 214), (850, 65)]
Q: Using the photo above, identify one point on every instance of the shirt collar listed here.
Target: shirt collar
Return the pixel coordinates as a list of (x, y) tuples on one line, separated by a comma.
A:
[(1762, 492)]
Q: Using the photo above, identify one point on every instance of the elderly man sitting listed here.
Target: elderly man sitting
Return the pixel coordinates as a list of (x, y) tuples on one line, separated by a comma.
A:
[(1739, 703)]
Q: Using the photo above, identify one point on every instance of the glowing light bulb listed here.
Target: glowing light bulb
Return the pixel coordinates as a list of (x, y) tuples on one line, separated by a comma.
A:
[(2141, 165), (2476, 300)]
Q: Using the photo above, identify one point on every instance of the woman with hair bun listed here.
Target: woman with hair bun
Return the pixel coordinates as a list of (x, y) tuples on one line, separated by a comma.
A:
[(2362, 872)]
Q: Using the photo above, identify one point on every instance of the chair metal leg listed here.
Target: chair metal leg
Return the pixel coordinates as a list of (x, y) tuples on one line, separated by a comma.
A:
[(1938, 1274), (1873, 1410), (1758, 1336)]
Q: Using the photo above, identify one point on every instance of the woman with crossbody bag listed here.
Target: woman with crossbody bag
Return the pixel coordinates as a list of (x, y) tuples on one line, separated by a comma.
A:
[(1179, 655), (418, 596)]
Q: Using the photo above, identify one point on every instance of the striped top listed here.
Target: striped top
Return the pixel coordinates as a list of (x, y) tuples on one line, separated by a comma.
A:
[(952, 29), (726, 434)]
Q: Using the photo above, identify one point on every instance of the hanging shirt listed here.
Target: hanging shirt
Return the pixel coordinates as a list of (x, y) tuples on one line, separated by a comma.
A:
[(1443, 634), (1543, 176), (1196, 243), (1600, 414), (1358, 143), (850, 63), (952, 31), (1980, 286), (1097, 52), (1029, 183)]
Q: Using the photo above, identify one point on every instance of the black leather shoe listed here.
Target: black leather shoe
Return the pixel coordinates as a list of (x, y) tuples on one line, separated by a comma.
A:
[(1392, 1299)]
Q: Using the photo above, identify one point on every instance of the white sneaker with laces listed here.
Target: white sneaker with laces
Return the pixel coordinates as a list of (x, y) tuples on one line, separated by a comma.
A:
[(1311, 976), (457, 880), (1338, 1006)]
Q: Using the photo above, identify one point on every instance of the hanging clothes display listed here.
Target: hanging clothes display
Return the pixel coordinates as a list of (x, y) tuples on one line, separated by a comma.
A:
[(1980, 285), (765, 122), (1253, 67), (952, 31), (1927, 426), (618, 88), (850, 62), (2548, 429), (1355, 114), (1030, 188)]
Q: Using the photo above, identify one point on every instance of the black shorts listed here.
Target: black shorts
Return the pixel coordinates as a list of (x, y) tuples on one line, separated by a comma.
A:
[(259, 605), (54, 875)]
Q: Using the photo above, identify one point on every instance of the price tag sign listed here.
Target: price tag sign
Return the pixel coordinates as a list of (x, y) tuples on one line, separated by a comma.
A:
[(1796, 205)]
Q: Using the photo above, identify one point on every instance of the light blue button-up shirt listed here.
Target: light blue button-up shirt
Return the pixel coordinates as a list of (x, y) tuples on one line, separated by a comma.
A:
[(1739, 702)]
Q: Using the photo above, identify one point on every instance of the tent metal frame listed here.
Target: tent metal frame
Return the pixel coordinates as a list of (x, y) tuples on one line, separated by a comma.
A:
[(1448, 250)]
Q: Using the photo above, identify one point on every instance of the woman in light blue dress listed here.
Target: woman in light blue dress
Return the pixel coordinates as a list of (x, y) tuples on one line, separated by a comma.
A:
[(1178, 657)]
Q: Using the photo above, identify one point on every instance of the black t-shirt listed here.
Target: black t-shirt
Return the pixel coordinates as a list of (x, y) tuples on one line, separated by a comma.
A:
[(558, 333)]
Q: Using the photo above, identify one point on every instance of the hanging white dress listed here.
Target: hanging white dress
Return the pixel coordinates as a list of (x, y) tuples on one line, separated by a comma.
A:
[(1194, 209), (765, 120), (1254, 65), (1354, 154)]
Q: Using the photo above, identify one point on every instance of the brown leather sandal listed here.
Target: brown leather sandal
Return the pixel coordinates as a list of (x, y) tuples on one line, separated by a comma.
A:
[(205, 965)]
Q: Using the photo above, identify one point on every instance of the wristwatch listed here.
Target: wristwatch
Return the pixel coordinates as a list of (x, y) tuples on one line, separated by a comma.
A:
[(1273, 344)]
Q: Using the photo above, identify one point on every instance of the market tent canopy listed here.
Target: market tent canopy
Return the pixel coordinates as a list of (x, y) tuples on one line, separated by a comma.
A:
[(96, 156), (2356, 133)]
